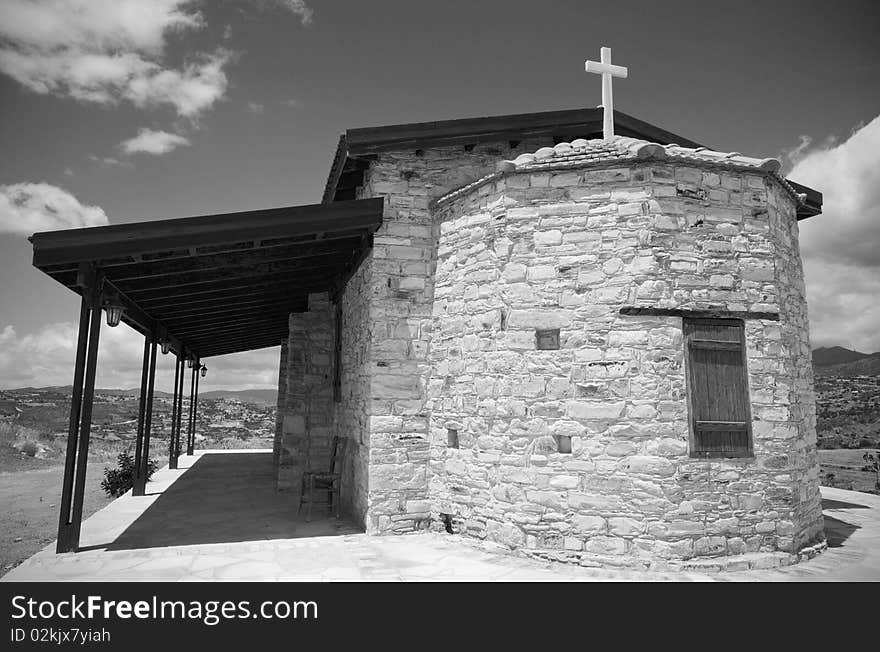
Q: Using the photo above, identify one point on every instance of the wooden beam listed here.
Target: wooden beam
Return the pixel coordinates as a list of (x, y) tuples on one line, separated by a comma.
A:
[(222, 323), (233, 307), (252, 257), (220, 297), (245, 345), (120, 240), (310, 266), (256, 284)]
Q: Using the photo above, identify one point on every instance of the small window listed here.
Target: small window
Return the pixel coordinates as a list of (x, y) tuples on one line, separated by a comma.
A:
[(547, 340), (718, 388)]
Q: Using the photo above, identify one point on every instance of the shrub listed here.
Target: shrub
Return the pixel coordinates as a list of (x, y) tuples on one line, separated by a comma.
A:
[(872, 464), (30, 448), (119, 480)]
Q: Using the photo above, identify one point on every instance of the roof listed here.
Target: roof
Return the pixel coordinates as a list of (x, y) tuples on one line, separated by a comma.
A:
[(217, 284), (357, 147), (580, 152)]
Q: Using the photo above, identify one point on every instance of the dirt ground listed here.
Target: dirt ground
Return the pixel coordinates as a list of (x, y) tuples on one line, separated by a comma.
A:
[(845, 467), (29, 508)]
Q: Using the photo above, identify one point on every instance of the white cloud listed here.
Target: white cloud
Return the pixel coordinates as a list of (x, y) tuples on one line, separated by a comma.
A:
[(255, 107), (300, 8), (149, 141), (109, 160), (105, 51), (30, 207), (46, 358), (841, 247)]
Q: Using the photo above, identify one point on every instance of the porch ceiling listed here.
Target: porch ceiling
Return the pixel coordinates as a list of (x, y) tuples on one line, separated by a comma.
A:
[(217, 284)]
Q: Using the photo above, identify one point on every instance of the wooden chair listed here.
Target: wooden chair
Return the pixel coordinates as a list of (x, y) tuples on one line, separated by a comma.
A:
[(324, 482)]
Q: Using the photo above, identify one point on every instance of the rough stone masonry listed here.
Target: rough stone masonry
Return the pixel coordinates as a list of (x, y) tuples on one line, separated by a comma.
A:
[(499, 380)]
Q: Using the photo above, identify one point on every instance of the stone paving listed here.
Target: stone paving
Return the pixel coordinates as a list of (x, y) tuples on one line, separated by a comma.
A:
[(219, 518)]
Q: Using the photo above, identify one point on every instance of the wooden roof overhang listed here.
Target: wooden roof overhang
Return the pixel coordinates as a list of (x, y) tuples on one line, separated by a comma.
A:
[(217, 284), (357, 148)]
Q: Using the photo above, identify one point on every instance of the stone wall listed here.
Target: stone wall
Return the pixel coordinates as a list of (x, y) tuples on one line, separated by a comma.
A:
[(308, 405), (351, 416), (279, 410), (566, 250), (402, 294)]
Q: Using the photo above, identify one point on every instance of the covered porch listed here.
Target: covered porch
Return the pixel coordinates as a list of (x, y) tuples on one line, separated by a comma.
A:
[(195, 287)]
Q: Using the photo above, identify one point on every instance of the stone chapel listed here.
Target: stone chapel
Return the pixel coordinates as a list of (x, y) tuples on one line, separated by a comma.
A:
[(585, 349)]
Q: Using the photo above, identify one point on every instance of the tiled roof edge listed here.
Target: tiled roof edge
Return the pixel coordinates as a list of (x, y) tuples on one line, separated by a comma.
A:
[(625, 149)]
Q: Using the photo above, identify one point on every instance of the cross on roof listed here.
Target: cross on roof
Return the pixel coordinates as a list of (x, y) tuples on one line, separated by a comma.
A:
[(607, 71)]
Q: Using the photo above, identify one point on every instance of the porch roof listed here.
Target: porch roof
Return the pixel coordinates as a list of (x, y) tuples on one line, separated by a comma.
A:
[(217, 284)]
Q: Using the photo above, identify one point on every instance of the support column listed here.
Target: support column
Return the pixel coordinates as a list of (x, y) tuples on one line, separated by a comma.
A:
[(181, 363), (142, 405), (175, 409), (140, 478), (80, 423), (192, 407), (196, 371)]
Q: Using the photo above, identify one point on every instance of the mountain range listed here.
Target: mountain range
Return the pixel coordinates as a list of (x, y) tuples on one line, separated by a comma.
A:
[(257, 396), (838, 361)]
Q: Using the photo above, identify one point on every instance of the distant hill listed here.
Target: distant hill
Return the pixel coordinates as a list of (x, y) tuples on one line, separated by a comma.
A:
[(825, 356), (257, 396), (838, 361)]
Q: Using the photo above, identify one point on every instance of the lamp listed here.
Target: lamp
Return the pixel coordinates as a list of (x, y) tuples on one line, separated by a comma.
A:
[(114, 313), (204, 371), (166, 345), (190, 362)]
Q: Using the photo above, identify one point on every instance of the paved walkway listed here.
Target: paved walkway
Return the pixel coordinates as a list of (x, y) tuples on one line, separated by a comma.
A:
[(219, 518)]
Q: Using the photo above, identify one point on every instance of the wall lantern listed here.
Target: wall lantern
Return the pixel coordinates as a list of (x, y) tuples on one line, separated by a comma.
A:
[(166, 345), (114, 313), (204, 371), (190, 362)]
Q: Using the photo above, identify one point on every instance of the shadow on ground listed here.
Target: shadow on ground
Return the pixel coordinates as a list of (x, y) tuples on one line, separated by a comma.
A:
[(827, 503), (224, 498)]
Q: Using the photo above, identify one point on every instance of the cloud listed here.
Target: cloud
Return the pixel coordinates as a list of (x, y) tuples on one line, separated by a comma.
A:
[(46, 358), (255, 107), (109, 160), (149, 141), (106, 51), (841, 247), (30, 207), (300, 8)]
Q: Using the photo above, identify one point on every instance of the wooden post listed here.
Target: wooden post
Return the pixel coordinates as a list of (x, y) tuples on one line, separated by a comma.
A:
[(192, 407), (182, 365), (85, 427), (175, 398), (148, 419), (196, 371), (64, 531), (138, 488), (81, 400)]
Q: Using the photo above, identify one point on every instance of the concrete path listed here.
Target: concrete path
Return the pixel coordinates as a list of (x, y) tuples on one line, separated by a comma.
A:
[(219, 518)]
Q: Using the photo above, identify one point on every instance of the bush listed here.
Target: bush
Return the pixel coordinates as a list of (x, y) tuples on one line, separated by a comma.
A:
[(30, 448), (119, 480)]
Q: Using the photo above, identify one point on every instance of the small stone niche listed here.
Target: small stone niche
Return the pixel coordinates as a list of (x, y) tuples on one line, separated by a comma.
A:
[(547, 340), (451, 438), (563, 443)]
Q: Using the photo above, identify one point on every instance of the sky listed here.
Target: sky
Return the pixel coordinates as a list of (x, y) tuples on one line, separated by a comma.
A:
[(115, 111)]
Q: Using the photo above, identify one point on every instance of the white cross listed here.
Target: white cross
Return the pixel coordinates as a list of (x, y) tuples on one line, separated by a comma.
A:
[(607, 71)]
